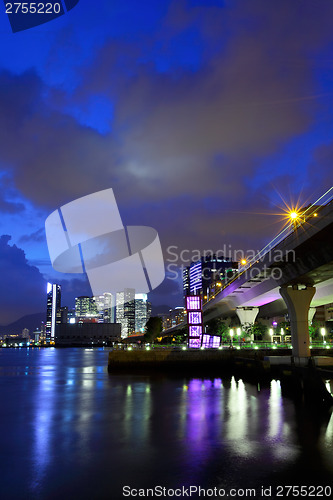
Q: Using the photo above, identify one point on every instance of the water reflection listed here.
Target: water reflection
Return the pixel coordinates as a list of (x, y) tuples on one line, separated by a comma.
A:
[(275, 411), (137, 411), (89, 428)]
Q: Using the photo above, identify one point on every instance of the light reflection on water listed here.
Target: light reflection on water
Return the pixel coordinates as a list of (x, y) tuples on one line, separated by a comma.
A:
[(73, 429)]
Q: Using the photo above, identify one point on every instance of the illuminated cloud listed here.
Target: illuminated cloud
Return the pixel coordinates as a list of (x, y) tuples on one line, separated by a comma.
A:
[(195, 112)]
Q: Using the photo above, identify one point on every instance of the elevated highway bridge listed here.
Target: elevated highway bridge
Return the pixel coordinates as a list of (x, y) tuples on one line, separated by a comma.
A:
[(294, 274)]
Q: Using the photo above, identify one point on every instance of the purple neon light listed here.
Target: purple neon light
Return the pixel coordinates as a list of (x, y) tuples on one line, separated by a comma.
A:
[(195, 385), (196, 343), (205, 340), (215, 341), (195, 331), (193, 303), (195, 318), (211, 341)]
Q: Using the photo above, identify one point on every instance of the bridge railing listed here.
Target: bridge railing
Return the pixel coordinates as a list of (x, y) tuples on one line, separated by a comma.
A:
[(283, 235), (250, 345)]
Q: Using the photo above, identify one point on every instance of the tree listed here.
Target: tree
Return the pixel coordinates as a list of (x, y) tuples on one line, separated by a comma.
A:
[(258, 330), (180, 336), (153, 328), (314, 331), (217, 326)]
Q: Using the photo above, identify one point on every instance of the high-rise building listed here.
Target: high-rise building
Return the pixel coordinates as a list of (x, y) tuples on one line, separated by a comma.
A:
[(142, 311), (125, 311), (106, 307), (64, 314), (71, 316), (186, 281), (85, 308), (53, 310), (206, 275), (173, 317), (196, 278)]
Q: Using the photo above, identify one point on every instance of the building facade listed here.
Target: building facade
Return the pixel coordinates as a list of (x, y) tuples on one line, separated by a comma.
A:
[(87, 334), (106, 307), (125, 311), (53, 311), (142, 312), (85, 308), (207, 275), (174, 317)]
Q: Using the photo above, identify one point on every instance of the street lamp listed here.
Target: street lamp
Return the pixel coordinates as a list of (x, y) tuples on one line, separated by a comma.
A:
[(282, 333), (323, 332), (231, 335), (293, 215), (271, 332), (239, 333)]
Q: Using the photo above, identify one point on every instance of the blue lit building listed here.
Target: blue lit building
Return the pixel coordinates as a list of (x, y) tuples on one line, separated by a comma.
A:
[(205, 276), (53, 311)]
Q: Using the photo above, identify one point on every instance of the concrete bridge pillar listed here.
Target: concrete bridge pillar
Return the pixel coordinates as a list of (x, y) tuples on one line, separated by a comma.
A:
[(298, 301), (312, 312), (247, 315)]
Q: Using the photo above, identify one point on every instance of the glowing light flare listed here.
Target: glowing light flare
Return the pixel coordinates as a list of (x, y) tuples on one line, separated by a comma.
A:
[(293, 215)]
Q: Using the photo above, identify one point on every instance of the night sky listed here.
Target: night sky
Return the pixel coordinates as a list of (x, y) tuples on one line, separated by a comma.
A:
[(206, 117)]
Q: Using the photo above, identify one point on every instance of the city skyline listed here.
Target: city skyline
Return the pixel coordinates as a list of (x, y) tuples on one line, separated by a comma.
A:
[(206, 118)]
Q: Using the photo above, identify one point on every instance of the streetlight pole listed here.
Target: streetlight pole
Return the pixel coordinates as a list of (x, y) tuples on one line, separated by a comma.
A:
[(282, 333), (231, 335)]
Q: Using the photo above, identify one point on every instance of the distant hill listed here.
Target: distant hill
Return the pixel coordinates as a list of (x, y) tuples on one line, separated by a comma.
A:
[(31, 321)]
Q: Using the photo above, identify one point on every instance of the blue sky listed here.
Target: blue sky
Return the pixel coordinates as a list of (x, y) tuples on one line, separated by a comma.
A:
[(203, 116)]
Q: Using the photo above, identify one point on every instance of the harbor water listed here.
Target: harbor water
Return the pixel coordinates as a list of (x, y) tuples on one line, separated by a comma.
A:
[(69, 429)]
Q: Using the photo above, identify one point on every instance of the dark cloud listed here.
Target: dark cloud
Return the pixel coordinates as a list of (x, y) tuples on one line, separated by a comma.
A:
[(199, 106), (37, 236), (241, 103), (9, 207), (170, 290), (8, 191), (52, 158), (23, 288), (73, 287)]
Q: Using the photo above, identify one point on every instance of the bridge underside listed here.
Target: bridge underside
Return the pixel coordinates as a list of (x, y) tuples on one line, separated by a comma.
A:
[(269, 302), (304, 280)]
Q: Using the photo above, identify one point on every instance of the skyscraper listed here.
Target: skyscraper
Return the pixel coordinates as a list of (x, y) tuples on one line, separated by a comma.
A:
[(106, 307), (204, 276), (53, 310), (125, 311), (186, 281), (85, 308), (142, 311)]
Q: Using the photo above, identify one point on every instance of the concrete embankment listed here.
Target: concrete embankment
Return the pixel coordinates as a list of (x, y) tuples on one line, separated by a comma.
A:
[(179, 360), (263, 361)]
